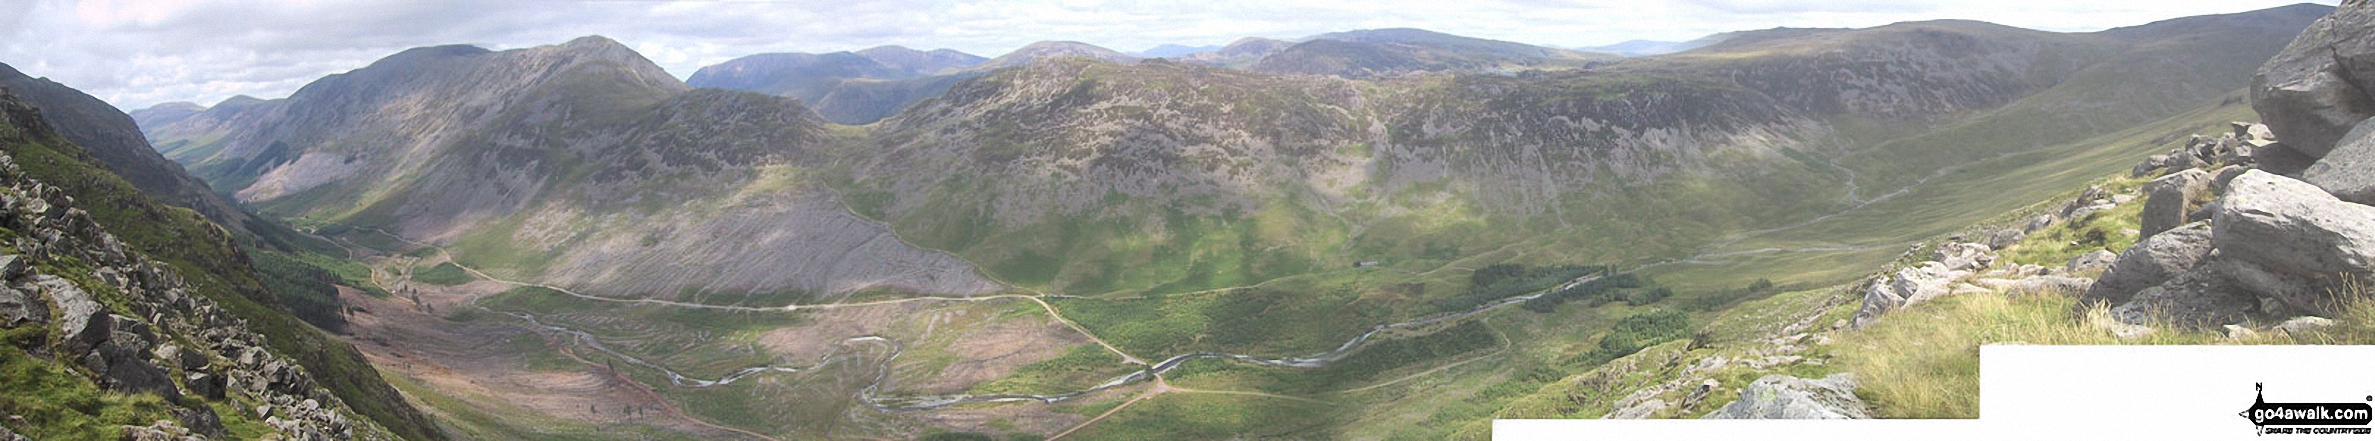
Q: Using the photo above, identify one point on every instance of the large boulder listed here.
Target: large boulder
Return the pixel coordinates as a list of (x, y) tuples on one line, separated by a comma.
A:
[(2349, 171), (2308, 94), (2150, 263), (1782, 397), (2170, 198), (2306, 242)]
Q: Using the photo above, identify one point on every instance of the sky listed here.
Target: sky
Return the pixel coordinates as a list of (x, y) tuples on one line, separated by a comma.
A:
[(138, 53)]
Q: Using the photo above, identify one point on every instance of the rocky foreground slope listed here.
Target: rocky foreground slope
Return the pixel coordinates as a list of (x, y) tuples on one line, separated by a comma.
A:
[(82, 306)]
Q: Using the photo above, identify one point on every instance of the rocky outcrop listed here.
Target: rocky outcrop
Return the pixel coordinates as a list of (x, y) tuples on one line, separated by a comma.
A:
[(2247, 144), (1966, 268), (124, 341), (2274, 246), (1793, 398), (2313, 92)]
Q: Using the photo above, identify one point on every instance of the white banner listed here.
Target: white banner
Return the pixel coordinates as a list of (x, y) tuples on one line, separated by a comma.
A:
[(2089, 393)]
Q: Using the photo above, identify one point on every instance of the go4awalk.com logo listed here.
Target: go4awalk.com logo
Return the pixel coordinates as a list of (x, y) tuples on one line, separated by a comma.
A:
[(2308, 418)]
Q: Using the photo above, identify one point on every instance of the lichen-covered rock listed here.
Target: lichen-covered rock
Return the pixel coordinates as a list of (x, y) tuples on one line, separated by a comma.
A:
[(1787, 397), (2297, 235), (2151, 263)]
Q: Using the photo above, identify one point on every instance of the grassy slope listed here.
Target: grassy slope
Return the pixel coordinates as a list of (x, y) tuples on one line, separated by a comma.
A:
[(1976, 193)]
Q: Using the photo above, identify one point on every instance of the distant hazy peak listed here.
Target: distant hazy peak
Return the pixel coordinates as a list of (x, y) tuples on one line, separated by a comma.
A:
[(1046, 49), (178, 105), (1174, 50), (238, 101)]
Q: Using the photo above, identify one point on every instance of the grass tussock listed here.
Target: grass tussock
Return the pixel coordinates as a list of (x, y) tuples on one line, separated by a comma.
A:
[(1923, 362)]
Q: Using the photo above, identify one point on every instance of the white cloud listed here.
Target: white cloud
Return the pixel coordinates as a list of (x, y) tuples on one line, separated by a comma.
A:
[(136, 53)]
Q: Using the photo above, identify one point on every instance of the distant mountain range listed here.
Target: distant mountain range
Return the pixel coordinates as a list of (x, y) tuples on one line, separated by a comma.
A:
[(1025, 139)]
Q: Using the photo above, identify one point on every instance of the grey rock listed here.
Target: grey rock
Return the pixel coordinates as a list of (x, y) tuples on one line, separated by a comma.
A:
[(2238, 332), (202, 421), (1968, 257), (2225, 175), (1928, 281), (1879, 299), (1637, 411), (206, 385), (2006, 238), (2150, 165), (8, 435), (2306, 93), (2096, 260), (2282, 159), (1786, 397), (162, 430), (2303, 324), (2049, 285), (2254, 131), (2349, 171), (2279, 292), (19, 307), (12, 266), (2294, 230), (2193, 301), (2151, 263), (2039, 223), (123, 362), (1699, 394), (81, 320), (2170, 198)]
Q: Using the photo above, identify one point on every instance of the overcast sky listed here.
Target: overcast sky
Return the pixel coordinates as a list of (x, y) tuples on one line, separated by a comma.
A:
[(139, 53)]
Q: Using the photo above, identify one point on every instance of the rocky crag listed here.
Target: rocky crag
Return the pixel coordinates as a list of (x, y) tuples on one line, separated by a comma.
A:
[(585, 155)]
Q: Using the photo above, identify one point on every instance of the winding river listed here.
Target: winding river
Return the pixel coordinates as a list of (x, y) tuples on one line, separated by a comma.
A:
[(869, 395)]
